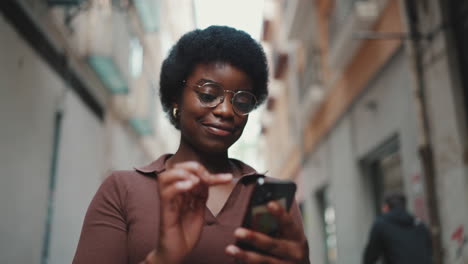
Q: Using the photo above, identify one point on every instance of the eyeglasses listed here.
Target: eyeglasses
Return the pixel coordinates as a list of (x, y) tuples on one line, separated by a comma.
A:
[(211, 95)]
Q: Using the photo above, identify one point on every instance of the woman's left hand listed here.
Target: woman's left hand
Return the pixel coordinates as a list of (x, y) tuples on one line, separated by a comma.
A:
[(289, 247)]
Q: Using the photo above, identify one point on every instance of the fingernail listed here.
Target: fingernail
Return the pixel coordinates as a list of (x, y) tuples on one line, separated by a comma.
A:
[(240, 233), (232, 249), (194, 179), (226, 176), (184, 184), (273, 206)]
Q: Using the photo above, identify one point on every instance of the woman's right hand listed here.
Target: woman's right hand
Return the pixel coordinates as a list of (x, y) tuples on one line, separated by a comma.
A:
[(183, 192)]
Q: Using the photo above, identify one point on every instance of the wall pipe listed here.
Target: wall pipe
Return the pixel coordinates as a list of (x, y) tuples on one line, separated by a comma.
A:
[(415, 52)]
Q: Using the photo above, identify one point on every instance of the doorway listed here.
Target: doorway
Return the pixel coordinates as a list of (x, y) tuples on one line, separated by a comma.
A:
[(383, 169), (458, 19), (327, 212)]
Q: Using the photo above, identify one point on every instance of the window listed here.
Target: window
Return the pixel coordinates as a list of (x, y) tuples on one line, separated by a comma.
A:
[(329, 226), (136, 57), (308, 70)]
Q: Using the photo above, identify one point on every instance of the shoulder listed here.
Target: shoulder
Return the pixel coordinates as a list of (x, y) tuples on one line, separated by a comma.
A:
[(244, 168), (418, 223), (126, 178), (380, 223), (139, 177), (122, 183)]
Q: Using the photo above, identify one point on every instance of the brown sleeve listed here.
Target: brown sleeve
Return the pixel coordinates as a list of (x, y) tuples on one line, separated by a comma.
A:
[(104, 234)]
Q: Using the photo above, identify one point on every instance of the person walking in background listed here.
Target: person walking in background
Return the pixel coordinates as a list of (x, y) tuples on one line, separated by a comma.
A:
[(398, 237)]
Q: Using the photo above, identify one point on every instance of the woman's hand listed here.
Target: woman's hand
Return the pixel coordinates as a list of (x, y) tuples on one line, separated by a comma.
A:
[(289, 247), (183, 192)]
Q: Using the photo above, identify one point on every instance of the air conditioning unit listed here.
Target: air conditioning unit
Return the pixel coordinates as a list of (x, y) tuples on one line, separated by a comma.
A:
[(64, 2)]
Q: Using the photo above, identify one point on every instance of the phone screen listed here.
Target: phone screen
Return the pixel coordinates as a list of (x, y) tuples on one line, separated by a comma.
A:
[(262, 220), (258, 217)]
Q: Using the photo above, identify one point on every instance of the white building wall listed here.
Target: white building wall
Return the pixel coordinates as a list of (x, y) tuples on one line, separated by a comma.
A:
[(315, 178), (29, 92), (80, 167), (123, 148), (314, 230), (449, 146), (346, 193), (385, 109)]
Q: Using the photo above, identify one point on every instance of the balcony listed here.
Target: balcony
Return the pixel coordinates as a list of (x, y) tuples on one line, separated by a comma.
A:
[(349, 18)]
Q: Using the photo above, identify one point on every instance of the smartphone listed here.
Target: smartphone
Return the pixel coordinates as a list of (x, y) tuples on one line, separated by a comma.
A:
[(257, 216)]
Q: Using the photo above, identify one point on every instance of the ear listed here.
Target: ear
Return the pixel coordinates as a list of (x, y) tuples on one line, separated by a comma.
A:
[(175, 102)]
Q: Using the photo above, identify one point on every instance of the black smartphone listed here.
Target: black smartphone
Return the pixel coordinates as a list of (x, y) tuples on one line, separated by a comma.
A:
[(257, 217)]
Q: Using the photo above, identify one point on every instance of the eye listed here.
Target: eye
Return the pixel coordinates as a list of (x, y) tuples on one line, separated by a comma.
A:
[(244, 102), (244, 107), (208, 92), (206, 97)]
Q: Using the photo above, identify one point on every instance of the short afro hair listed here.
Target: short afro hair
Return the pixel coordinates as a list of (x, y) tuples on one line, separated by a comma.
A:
[(213, 44)]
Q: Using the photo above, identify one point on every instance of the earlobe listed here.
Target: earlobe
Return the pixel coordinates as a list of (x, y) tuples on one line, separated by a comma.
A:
[(175, 111)]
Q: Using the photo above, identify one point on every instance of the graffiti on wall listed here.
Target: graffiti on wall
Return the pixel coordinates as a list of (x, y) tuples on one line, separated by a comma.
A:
[(459, 237)]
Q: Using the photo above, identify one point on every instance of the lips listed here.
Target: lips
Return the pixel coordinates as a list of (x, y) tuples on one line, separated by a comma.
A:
[(219, 129)]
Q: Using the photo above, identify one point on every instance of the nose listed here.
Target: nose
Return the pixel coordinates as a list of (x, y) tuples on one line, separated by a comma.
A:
[(224, 109)]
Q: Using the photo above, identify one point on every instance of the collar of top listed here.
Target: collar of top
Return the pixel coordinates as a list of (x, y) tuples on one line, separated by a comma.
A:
[(158, 166)]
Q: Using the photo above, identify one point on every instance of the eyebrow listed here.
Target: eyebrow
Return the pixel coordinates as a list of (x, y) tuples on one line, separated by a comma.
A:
[(203, 81)]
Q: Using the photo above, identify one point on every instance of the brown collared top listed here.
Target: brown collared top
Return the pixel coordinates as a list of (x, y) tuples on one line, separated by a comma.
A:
[(122, 221)]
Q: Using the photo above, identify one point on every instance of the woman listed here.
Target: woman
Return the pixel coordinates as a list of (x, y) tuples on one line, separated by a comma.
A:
[(187, 207)]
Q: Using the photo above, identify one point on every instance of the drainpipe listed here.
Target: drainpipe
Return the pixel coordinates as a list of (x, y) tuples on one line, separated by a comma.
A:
[(58, 118), (415, 52), (51, 195)]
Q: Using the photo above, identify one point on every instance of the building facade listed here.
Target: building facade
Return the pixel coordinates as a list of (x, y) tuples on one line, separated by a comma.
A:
[(78, 94), (373, 98)]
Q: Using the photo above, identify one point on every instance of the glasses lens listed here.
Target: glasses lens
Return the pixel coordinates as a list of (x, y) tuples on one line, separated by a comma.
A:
[(209, 94), (244, 102)]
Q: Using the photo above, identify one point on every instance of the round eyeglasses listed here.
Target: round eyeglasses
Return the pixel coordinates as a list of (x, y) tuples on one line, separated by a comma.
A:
[(211, 95)]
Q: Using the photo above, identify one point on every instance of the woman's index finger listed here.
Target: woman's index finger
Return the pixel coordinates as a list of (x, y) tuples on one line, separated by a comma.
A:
[(194, 167), (207, 177)]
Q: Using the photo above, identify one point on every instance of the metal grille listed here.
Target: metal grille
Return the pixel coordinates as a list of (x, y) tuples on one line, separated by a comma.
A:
[(311, 74), (341, 11)]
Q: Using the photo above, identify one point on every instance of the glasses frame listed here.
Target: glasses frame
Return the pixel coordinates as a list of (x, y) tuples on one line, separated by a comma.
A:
[(234, 93)]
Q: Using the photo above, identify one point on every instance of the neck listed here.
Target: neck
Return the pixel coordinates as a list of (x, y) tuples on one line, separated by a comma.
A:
[(213, 162)]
